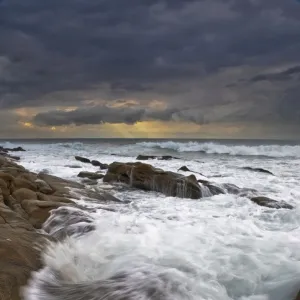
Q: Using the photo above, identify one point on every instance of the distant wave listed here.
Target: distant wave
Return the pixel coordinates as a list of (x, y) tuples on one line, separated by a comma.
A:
[(235, 150)]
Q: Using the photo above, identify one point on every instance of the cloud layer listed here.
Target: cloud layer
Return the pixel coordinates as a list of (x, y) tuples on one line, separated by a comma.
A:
[(207, 61)]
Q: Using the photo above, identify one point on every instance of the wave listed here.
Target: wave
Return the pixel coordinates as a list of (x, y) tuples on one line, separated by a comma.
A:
[(234, 150)]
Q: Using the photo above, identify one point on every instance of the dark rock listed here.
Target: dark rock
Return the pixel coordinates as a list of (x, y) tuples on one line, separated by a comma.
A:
[(90, 175), (164, 157), (89, 181), (186, 169), (146, 177), (96, 163), (73, 166), (215, 190), (83, 159), (17, 149), (231, 188), (260, 170), (267, 202)]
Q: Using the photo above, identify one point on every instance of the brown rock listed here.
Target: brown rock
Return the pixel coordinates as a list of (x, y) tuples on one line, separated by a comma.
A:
[(20, 183), (43, 186), (146, 177), (24, 194), (39, 211), (18, 258), (6, 177)]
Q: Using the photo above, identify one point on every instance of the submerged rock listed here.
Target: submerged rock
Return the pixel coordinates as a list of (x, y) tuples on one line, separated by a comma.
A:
[(267, 202), (90, 175), (260, 170), (163, 157), (83, 159), (146, 177)]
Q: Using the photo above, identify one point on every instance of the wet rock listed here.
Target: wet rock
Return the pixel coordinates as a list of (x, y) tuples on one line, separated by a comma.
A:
[(97, 163), (231, 188), (73, 166), (215, 190), (267, 202), (90, 175), (146, 177), (16, 149), (163, 157), (89, 181), (260, 170), (82, 159), (186, 169), (20, 255)]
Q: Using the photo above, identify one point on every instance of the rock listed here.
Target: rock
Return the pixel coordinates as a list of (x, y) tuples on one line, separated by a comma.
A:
[(43, 187), (20, 255), (146, 177), (89, 181), (39, 211), (260, 170), (147, 157), (73, 166), (186, 169), (16, 149), (82, 159), (96, 163), (267, 202), (24, 194), (231, 188), (90, 175), (19, 183)]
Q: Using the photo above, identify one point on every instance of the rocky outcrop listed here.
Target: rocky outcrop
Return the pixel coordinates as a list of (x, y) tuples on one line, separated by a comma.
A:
[(146, 177), (163, 157), (16, 149), (27, 200)]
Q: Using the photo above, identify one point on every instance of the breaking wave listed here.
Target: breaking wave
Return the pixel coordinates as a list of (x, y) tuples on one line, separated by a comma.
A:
[(234, 150)]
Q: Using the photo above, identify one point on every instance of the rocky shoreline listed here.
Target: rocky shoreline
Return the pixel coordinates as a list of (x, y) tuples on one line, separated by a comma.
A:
[(26, 200), (37, 208)]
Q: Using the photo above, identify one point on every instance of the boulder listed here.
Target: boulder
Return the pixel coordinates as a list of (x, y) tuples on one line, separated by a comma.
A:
[(16, 149), (96, 163), (146, 177), (267, 202), (90, 175), (83, 159), (24, 194)]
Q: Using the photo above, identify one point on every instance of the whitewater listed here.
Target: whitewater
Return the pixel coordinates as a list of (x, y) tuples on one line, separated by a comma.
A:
[(151, 246)]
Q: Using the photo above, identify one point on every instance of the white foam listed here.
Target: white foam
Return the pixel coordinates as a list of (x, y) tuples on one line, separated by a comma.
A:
[(217, 148), (221, 247)]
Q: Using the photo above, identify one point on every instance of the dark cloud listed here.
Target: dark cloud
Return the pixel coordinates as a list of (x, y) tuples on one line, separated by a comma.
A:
[(100, 115), (191, 54)]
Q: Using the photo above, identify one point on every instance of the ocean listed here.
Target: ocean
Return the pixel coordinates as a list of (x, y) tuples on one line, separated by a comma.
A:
[(222, 247)]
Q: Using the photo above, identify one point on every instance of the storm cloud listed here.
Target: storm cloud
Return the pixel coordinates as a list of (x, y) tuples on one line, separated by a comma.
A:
[(207, 60)]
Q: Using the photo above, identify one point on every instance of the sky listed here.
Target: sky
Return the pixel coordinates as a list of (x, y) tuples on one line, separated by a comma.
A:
[(150, 68)]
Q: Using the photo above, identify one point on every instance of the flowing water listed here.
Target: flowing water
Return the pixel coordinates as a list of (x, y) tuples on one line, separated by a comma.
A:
[(157, 247)]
